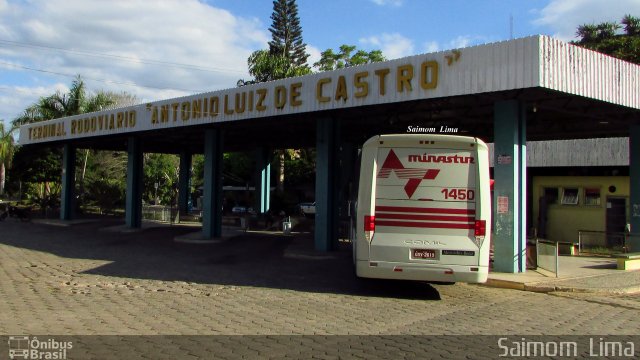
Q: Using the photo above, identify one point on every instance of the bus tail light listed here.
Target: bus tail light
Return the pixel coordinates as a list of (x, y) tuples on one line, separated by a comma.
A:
[(481, 228), (369, 226), (480, 231)]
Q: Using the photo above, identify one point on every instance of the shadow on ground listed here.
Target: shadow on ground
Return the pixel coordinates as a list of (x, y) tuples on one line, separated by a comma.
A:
[(249, 259)]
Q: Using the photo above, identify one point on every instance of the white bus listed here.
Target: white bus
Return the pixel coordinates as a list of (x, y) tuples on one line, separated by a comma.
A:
[(423, 209)]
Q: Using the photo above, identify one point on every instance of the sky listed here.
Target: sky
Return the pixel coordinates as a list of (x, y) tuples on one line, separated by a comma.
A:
[(161, 49)]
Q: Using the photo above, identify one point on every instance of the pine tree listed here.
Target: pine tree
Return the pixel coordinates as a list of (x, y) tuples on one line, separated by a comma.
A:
[(286, 33), (286, 57)]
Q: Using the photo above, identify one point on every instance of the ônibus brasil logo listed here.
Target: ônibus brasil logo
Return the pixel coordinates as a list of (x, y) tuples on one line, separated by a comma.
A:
[(414, 176), (25, 347)]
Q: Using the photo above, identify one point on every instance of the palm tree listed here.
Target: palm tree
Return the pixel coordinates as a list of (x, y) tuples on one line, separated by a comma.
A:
[(76, 101), (7, 148), (60, 105), (587, 32), (631, 25)]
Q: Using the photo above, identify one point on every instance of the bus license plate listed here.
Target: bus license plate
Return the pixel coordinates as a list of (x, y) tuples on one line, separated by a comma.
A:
[(423, 253)]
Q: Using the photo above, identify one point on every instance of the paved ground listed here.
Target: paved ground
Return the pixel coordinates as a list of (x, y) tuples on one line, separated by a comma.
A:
[(82, 281)]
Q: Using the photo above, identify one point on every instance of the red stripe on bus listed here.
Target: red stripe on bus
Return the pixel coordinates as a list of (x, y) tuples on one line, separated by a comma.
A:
[(465, 219), (425, 225), (424, 210)]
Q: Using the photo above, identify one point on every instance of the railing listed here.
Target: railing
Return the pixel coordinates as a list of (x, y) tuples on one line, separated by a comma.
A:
[(547, 256), (344, 229), (602, 242), (166, 214)]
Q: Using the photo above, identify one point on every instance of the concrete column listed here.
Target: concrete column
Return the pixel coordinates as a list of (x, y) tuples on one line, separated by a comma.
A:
[(263, 180), (67, 196), (348, 156), (326, 219), (634, 184), (184, 182), (212, 196), (510, 173), (135, 163)]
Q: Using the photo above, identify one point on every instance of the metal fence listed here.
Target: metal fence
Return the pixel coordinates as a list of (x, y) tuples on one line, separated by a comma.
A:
[(602, 242), (547, 256), (344, 230), (166, 214)]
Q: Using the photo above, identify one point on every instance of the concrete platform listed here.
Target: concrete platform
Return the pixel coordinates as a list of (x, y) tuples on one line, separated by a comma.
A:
[(576, 274), (146, 224)]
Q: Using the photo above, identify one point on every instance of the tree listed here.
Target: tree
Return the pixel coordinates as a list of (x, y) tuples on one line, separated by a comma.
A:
[(38, 169), (265, 66), (286, 56), (631, 25), (105, 179), (42, 165), (76, 101), (332, 61), (606, 38), (7, 148), (286, 33), (161, 178)]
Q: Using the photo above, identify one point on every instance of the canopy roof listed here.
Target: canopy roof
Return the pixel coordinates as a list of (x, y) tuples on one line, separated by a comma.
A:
[(570, 92)]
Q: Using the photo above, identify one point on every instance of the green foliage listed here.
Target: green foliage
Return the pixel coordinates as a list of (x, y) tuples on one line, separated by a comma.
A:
[(197, 171), (332, 61), (76, 101), (237, 168), (161, 178), (265, 66), (7, 144), (7, 148), (286, 56), (43, 194), (607, 39), (105, 180), (631, 25), (37, 164), (300, 167), (107, 194)]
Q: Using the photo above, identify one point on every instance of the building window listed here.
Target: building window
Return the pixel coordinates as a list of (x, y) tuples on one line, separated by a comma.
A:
[(551, 195), (592, 196), (570, 196)]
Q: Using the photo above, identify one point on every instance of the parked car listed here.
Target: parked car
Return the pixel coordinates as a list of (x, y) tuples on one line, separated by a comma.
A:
[(308, 208), (242, 210)]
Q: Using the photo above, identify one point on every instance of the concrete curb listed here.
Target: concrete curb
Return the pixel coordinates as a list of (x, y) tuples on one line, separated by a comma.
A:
[(611, 291), (545, 287)]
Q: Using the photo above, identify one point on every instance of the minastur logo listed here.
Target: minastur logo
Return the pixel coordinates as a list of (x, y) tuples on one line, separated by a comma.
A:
[(25, 347), (414, 176), (451, 159)]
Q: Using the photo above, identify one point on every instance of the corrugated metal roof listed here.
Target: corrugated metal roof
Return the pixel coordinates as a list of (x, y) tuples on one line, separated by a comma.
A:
[(532, 62), (579, 71), (578, 152)]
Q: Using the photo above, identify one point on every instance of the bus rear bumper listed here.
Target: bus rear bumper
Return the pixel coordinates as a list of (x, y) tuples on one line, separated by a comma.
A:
[(421, 272)]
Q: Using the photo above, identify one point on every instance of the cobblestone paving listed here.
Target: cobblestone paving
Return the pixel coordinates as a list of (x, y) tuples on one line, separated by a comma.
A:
[(82, 281)]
